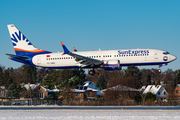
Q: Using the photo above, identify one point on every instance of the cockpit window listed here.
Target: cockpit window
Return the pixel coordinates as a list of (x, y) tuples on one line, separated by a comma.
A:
[(165, 53)]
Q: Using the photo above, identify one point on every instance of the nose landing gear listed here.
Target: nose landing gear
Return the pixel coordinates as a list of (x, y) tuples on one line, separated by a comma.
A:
[(159, 70)]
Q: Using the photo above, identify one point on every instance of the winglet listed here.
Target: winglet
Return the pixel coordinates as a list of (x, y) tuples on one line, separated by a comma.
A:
[(66, 51), (74, 49)]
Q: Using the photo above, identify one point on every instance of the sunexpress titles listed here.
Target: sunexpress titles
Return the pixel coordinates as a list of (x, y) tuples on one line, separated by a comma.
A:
[(123, 52)]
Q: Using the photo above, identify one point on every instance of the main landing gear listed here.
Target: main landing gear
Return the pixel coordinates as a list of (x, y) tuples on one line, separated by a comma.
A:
[(92, 72), (159, 70)]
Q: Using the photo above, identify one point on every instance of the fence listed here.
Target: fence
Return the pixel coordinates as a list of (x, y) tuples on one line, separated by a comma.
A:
[(29, 102)]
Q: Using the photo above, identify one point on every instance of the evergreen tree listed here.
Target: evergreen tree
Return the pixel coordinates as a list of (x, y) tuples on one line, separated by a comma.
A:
[(75, 81), (150, 96), (176, 77), (135, 74), (7, 79), (101, 83), (49, 82), (14, 91), (133, 71), (1, 76), (29, 74), (145, 77)]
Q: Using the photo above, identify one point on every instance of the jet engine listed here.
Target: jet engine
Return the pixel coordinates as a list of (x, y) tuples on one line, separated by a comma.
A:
[(112, 65)]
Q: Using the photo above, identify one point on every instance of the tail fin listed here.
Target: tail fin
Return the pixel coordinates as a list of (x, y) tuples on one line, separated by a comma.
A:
[(22, 45)]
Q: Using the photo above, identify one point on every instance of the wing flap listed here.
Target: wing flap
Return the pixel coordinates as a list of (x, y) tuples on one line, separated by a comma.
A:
[(85, 60)]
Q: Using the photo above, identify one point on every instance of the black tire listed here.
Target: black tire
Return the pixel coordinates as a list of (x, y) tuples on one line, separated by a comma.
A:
[(91, 72)]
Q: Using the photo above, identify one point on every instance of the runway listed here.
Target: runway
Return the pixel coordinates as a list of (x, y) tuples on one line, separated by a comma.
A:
[(62, 114), (89, 108)]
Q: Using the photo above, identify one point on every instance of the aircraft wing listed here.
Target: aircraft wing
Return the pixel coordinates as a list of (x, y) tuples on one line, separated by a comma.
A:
[(82, 59)]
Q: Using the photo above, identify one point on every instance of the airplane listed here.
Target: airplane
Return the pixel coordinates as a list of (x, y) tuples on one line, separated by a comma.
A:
[(27, 54)]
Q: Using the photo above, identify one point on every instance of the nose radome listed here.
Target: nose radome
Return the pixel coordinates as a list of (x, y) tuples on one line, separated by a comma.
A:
[(173, 57)]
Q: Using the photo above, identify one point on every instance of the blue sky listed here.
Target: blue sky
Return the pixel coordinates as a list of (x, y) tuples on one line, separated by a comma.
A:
[(92, 24)]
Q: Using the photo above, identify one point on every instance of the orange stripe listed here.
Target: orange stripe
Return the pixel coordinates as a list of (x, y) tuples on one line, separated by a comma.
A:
[(33, 51)]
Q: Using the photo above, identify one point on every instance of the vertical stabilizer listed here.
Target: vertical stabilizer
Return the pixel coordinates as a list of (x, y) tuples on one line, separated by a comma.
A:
[(22, 45)]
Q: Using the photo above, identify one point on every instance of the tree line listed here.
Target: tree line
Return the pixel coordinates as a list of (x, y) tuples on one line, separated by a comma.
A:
[(132, 76)]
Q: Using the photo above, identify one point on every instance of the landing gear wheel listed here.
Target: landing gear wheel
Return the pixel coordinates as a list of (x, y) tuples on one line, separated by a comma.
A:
[(91, 72)]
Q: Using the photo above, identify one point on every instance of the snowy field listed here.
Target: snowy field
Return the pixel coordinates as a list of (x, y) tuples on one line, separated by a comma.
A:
[(89, 114)]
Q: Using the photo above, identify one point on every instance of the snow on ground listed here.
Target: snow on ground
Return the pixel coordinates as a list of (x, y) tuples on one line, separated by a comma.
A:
[(89, 114)]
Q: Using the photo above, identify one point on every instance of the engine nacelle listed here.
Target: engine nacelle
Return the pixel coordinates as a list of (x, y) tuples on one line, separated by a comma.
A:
[(112, 65)]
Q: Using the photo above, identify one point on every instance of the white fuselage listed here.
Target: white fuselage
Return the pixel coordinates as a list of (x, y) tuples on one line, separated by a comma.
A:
[(126, 57)]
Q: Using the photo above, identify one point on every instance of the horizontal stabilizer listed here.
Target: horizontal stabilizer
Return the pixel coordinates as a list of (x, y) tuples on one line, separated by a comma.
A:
[(17, 56)]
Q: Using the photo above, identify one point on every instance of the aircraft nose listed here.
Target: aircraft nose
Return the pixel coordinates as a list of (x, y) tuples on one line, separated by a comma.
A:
[(173, 57)]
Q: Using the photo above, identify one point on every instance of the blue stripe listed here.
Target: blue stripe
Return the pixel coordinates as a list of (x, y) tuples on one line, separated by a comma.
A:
[(142, 64), (130, 64)]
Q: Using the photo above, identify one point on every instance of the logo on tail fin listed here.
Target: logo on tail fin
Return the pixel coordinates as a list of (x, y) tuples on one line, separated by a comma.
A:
[(22, 45), (21, 42)]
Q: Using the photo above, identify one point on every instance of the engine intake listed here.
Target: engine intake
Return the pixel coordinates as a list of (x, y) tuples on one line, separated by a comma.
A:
[(112, 65)]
